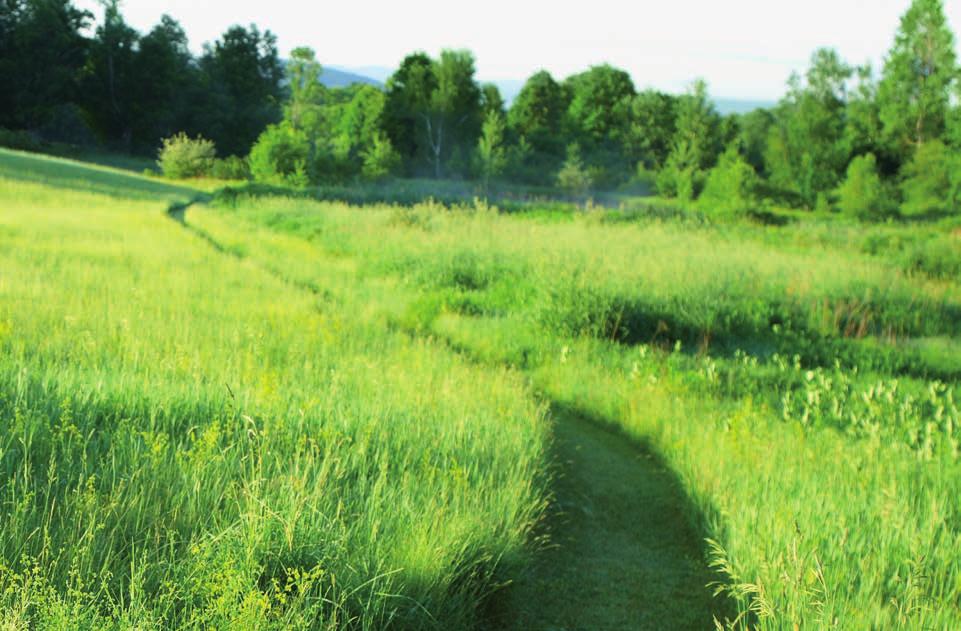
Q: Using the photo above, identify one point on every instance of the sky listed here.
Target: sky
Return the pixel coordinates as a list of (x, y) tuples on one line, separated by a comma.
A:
[(745, 49)]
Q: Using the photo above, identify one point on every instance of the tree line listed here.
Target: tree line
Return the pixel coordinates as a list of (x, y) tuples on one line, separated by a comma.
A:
[(842, 137), (66, 81)]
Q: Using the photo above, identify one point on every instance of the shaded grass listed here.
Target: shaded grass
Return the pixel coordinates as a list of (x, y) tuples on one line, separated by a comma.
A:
[(620, 553), (71, 175)]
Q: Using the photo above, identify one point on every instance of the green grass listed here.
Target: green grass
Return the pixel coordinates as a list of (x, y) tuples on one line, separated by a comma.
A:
[(188, 442), (292, 413), (790, 389)]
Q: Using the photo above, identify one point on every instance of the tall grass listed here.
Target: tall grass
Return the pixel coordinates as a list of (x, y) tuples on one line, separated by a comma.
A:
[(781, 384), (188, 442)]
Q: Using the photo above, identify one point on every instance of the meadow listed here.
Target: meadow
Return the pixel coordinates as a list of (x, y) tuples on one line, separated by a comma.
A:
[(272, 411)]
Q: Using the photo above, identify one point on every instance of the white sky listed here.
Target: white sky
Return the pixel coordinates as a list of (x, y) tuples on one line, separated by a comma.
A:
[(744, 48)]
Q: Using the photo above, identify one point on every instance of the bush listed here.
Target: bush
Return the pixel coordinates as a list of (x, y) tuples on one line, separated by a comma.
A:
[(281, 155), (862, 193), (20, 140), (185, 157), (731, 185), (230, 168)]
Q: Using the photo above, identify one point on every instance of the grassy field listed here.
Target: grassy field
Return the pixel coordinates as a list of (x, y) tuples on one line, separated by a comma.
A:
[(292, 413)]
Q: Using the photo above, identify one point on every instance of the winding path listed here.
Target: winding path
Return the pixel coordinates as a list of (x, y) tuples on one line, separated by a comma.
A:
[(622, 556)]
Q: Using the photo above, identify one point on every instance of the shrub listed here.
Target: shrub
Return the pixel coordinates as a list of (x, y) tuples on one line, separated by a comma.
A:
[(230, 168), (731, 185), (281, 156), (184, 157), (862, 193), (21, 140)]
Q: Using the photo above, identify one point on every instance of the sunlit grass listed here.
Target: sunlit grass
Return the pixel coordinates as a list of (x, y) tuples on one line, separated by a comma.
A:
[(767, 378), (188, 441)]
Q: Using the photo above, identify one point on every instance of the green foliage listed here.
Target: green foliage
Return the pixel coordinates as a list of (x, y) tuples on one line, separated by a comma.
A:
[(380, 159), (22, 140), (230, 168), (573, 176), (862, 194), (919, 75), (535, 118), (938, 256), (598, 115), (806, 153), (680, 177), (242, 88), (731, 186), (184, 157), (652, 127), (434, 112), (695, 145), (281, 156), (931, 181), (491, 153), (112, 76), (42, 54)]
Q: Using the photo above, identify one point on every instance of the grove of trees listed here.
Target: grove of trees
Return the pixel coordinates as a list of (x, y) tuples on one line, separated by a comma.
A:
[(127, 90), (843, 137)]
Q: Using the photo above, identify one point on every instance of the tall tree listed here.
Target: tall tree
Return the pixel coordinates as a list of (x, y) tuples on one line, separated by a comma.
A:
[(454, 119), (165, 72), (863, 133), (242, 95), (697, 125), (408, 98), (111, 81), (652, 125), (536, 122), (306, 90), (806, 152), (695, 146), (491, 153), (11, 15), (919, 73), (44, 51), (599, 114), (434, 110)]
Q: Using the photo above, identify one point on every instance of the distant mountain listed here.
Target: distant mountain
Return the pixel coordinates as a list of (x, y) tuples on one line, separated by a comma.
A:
[(375, 73), (740, 106), (337, 78)]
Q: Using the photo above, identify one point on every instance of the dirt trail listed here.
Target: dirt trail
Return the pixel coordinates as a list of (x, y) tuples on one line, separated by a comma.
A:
[(622, 556)]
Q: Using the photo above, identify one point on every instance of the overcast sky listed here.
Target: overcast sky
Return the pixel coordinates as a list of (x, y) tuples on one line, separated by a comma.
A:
[(744, 48)]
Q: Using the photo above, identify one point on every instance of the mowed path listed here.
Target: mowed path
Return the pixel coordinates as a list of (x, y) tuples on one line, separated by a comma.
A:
[(621, 553)]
